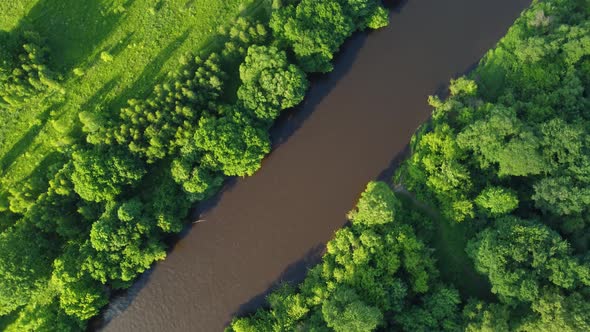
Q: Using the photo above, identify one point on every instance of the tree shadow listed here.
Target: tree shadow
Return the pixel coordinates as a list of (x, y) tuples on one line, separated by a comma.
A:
[(322, 84), (151, 73), (92, 104), (25, 141), (119, 301), (442, 91), (395, 6), (121, 45), (40, 176), (387, 174), (294, 273), (73, 28)]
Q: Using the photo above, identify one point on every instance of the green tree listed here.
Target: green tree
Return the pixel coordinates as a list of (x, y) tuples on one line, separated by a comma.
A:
[(269, 83), (554, 311), (100, 174), (231, 142), (561, 196), (483, 317), (439, 311), (521, 257), (123, 243), (377, 205), (44, 315), (315, 30), (497, 201), (158, 126), (168, 204), (344, 311), (80, 296), (24, 254)]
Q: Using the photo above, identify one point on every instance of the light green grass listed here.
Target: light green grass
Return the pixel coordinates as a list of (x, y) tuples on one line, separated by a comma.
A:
[(145, 39), (11, 12)]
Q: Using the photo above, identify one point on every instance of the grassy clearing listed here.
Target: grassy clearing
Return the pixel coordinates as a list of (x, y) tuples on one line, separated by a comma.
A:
[(107, 51), (449, 239)]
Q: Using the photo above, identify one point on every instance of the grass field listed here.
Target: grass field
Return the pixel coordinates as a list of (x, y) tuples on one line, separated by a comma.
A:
[(449, 240), (107, 52)]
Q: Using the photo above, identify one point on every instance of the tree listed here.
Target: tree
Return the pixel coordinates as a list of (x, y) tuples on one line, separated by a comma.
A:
[(25, 73), (365, 13), (554, 311), (315, 30), (158, 126), (80, 296), (44, 315), (496, 201), (521, 257), (24, 254), (269, 83), (123, 243), (379, 18), (168, 205), (100, 174), (561, 142), (501, 139), (377, 205), (439, 311), (561, 196), (231, 143), (344, 311), (486, 317)]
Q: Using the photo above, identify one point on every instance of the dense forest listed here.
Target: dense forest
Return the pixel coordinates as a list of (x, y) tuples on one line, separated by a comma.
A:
[(94, 215), (487, 227)]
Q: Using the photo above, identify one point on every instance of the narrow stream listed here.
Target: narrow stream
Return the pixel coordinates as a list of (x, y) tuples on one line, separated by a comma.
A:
[(354, 124)]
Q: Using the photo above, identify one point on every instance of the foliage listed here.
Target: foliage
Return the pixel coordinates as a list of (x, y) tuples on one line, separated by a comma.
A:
[(522, 257), (100, 174), (26, 74), (269, 83), (345, 311), (316, 29), (156, 127), (377, 205), (496, 201), (370, 276), (23, 268), (507, 154), (97, 171), (231, 143)]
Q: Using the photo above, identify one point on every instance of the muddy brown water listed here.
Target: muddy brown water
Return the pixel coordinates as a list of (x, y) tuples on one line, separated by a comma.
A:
[(353, 125)]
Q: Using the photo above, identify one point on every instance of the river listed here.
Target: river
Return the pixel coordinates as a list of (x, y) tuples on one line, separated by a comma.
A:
[(352, 128)]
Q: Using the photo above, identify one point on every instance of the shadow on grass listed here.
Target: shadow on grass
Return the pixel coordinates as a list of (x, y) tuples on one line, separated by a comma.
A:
[(73, 28), (93, 103), (45, 170), (121, 45), (25, 142), (151, 73)]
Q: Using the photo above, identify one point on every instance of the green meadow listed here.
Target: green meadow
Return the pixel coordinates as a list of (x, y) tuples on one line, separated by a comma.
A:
[(107, 52)]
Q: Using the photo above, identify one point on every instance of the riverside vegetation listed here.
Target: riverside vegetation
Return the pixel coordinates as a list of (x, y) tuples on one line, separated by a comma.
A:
[(490, 227), (99, 164)]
